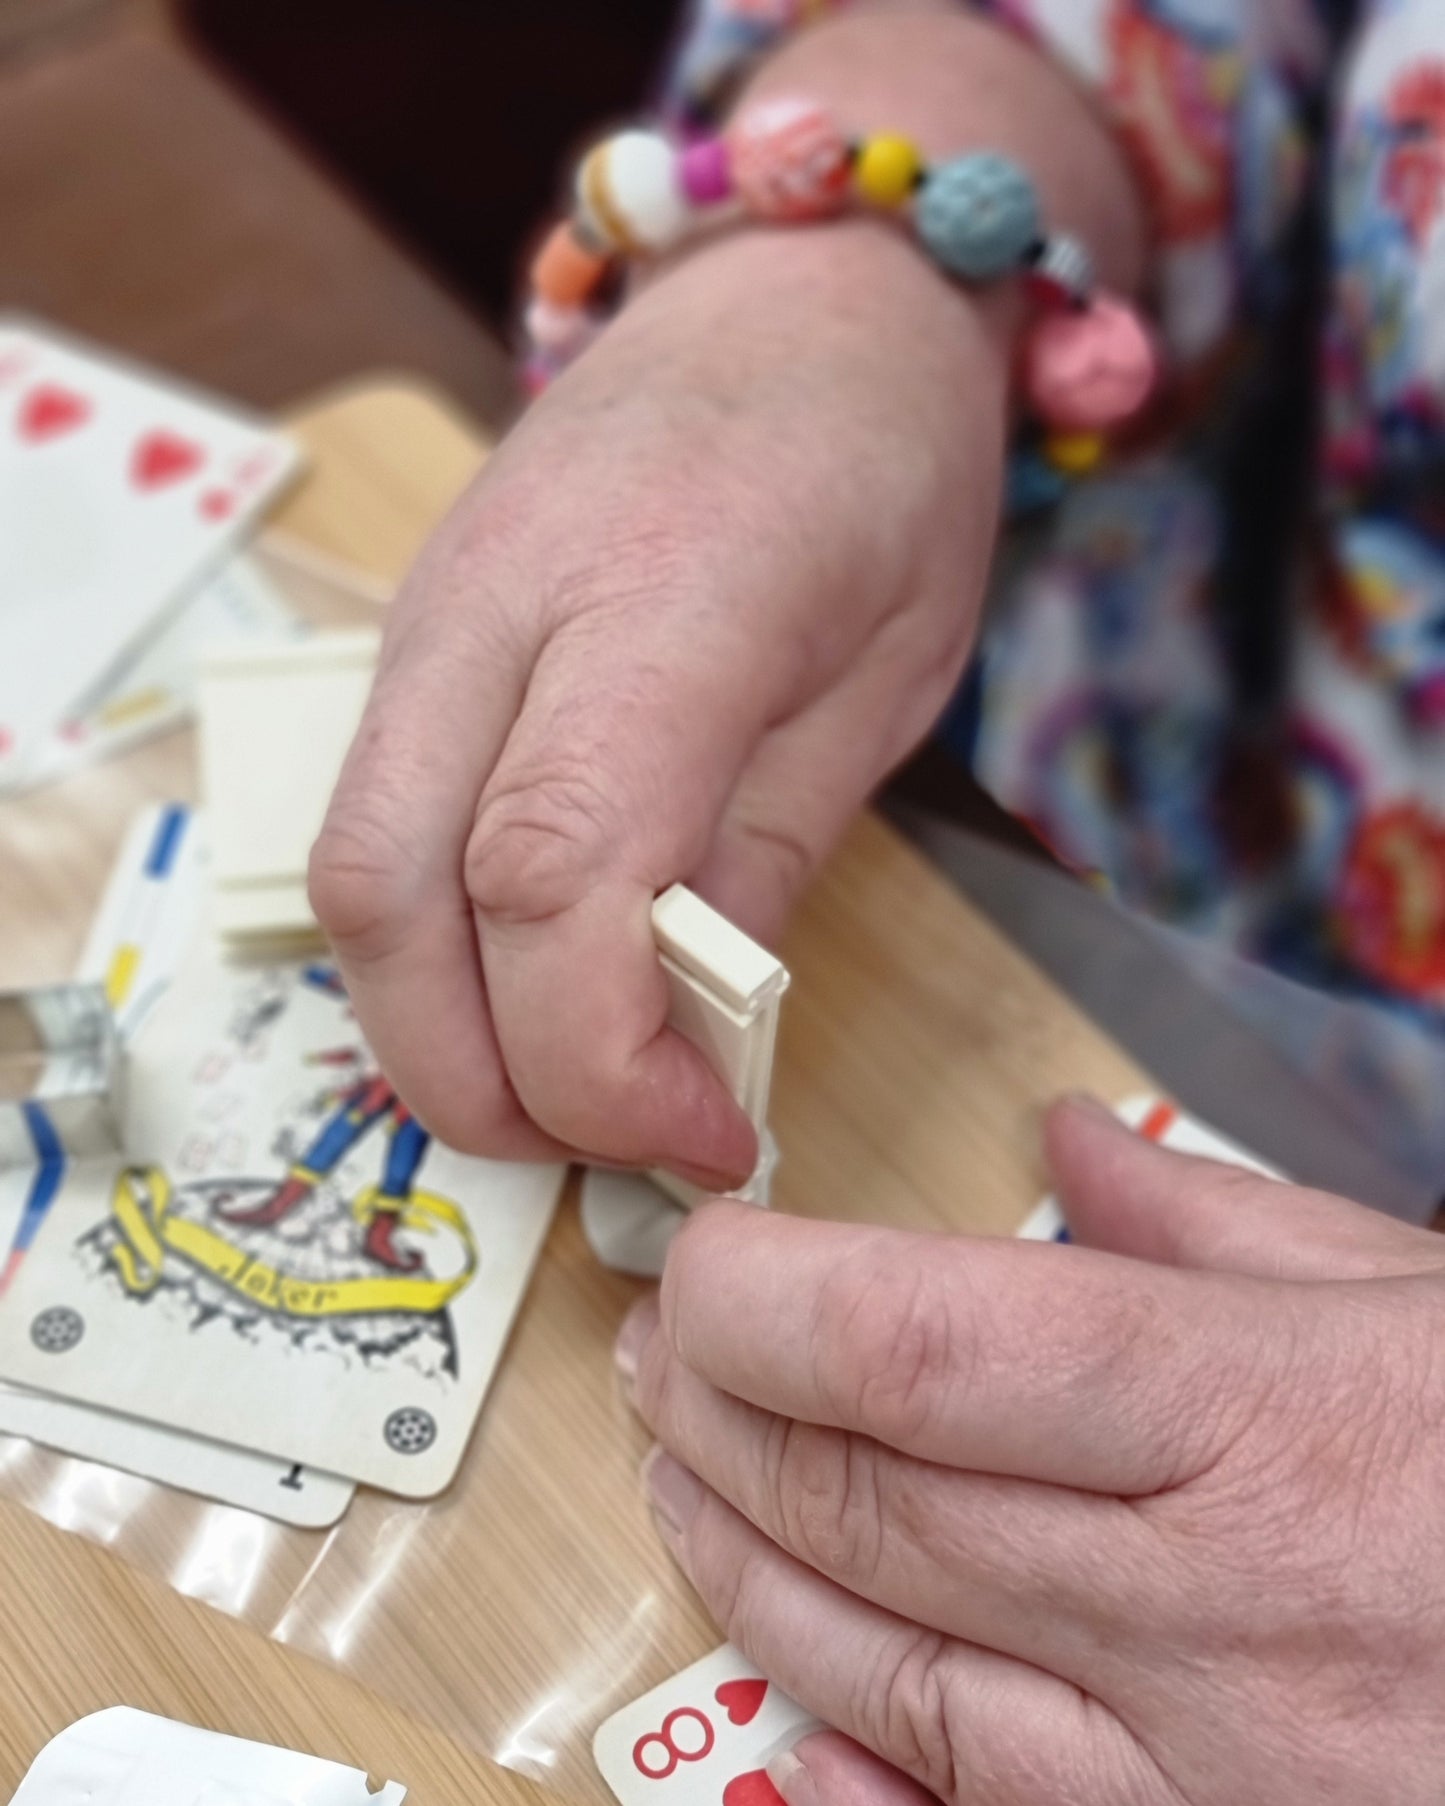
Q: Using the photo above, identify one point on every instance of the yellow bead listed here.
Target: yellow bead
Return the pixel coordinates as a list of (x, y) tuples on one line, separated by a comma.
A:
[(1075, 454), (887, 169)]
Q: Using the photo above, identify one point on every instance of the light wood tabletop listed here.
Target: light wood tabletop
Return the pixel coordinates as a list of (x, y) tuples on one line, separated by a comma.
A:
[(917, 1049)]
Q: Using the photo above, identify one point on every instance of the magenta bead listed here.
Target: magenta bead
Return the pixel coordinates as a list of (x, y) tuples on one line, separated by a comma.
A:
[(789, 160), (704, 172), (1091, 369)]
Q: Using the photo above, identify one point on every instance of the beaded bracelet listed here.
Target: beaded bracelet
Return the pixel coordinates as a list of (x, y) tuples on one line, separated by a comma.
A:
[(1088, 362)]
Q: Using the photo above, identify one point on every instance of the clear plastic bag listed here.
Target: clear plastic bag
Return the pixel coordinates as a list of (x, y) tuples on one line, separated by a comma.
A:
[(515, 1611)]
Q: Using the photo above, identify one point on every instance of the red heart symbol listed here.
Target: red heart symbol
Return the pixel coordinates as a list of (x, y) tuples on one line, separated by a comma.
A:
[(752, 1789), (743, 1700), (217, 504), (48, 411), (161, 458)]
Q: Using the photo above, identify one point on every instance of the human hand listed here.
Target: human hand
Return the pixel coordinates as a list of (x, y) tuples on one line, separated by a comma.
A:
[(1151, 1521), (717, 583), (720, 580)]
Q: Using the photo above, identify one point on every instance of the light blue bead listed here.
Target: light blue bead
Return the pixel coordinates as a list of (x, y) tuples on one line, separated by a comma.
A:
[(978, 215)]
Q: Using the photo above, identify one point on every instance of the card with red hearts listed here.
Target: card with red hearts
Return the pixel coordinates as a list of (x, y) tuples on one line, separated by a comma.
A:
[(120, 491), (703, 1738)]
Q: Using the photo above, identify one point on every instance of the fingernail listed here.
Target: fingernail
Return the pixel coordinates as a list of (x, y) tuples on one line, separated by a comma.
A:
[(674, 1493), (789, 1774), (1088, 1105), (718, 1182), (637, 1329)]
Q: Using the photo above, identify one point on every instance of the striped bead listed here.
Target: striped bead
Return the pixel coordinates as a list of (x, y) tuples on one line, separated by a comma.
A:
[(1063, 274)]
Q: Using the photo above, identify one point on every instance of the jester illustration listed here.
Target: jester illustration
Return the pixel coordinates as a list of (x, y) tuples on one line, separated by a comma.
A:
[(360, 1108), (320, 1248)]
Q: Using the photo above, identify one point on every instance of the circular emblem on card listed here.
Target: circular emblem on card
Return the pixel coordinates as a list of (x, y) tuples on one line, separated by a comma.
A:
[(57, 1330), (410, 1431)]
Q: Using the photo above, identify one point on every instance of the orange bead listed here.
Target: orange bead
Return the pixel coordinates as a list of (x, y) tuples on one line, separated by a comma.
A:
[(565, 271)]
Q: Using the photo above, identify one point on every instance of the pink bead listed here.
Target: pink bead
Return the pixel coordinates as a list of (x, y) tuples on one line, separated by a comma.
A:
[(789, 160), (1092, 369), (704, 172), (537, 376), (559, 331)]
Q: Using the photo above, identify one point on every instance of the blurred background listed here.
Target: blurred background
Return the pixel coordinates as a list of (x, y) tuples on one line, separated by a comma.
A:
[(432, 145)]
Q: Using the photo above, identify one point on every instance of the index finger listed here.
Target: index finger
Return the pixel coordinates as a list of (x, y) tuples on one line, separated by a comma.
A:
[(1048, 1363), (386, 873)]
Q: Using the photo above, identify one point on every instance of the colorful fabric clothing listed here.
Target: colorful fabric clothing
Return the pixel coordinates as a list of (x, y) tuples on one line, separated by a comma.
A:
[(1213, 678)]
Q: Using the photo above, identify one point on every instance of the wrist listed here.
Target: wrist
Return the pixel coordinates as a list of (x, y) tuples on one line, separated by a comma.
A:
[(955, 82), (851, 324), (991, 213)]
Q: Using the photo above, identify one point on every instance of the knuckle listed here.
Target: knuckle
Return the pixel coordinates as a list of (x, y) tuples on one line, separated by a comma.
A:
[(361, 880), (653, 1389), (736, 1581), (823, 1490), (886, 1340), (903, 1708), (535, 846)]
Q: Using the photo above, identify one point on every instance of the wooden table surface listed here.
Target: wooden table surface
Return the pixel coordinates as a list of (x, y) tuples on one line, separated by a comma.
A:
[(917, 1049)]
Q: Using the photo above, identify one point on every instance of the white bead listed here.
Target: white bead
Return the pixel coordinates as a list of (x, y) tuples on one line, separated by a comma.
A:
[(628, 193)]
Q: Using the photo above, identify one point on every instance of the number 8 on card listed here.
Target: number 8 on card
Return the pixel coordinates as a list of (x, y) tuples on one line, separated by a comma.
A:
[(706, 1735)]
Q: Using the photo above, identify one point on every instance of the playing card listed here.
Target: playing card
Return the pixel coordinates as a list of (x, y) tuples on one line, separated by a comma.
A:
[(286, 1260), (142, 926), (147, 917), (119, 490), (278, 1489), (1156, 1120), (155, 690), (705, 1736)]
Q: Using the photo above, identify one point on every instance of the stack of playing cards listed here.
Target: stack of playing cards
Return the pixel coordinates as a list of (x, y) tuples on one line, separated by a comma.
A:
[(123, 500), (282, 1285), (276, 721)]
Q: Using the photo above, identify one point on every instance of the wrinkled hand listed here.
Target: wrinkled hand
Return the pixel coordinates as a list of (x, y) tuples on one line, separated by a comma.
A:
[(717, 583), (1152, 1521)]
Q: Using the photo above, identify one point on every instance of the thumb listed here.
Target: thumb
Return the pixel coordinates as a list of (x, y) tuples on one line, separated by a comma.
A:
[(1126, 1195)]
